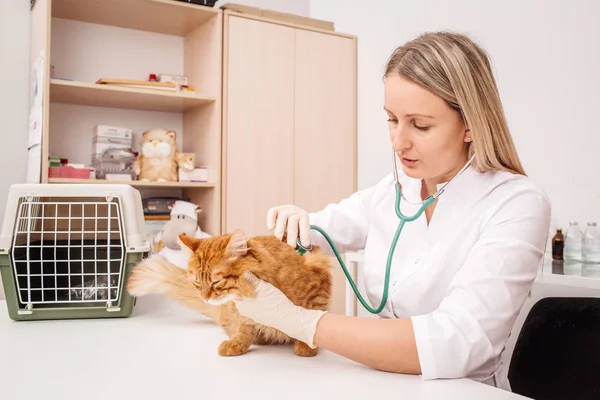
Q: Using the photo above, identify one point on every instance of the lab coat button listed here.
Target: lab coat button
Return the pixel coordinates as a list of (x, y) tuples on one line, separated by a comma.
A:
[(417, 261)]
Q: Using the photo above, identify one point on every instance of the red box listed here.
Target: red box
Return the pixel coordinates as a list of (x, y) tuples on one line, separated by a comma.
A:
[(69, 172)]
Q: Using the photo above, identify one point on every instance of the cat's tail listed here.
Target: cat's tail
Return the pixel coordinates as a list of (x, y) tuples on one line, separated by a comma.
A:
[(156, 275)]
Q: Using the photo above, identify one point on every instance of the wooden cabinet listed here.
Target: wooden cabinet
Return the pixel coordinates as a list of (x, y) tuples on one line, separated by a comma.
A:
[(84, 40), (289, 119), (259, 116)]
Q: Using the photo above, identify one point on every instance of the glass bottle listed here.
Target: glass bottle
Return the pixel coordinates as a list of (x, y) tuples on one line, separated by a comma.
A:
[(573, 242), (591, 244), (558, 244)]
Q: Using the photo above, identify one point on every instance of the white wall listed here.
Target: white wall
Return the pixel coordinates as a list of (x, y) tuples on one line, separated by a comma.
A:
[(546, 59), (14, 96)]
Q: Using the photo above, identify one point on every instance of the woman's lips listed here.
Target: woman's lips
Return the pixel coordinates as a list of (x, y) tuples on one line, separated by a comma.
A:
[(408, 162)]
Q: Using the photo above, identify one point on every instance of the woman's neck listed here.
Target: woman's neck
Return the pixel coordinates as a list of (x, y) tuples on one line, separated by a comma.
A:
[(429, 186)]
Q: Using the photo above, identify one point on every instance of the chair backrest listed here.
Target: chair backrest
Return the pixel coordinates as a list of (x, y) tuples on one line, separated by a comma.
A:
[(557, 353)]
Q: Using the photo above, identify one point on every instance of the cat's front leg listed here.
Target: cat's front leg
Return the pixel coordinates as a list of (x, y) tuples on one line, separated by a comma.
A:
[(240, 341), (303, 350)]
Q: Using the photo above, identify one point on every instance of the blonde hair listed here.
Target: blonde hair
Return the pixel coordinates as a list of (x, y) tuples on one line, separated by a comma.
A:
[(456, 69)]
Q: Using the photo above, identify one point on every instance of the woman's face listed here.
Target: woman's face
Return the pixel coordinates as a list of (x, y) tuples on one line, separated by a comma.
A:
[(428, 136)]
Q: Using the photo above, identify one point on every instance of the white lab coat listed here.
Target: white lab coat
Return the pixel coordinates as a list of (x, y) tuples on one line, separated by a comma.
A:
[(464, 278)]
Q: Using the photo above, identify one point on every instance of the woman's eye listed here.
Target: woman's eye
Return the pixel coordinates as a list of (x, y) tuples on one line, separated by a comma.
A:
[(393, 120), (421, 128)]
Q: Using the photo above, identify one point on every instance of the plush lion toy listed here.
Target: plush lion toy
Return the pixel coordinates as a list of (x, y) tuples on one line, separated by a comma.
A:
[(184, 220)]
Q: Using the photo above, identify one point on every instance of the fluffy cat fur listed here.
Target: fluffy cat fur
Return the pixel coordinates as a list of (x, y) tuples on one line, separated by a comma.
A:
[(215, 275), (157, 160)]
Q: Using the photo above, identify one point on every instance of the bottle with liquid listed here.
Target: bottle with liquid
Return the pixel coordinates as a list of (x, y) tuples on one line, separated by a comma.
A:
[(591, 244), (558, 244), (573, 242)]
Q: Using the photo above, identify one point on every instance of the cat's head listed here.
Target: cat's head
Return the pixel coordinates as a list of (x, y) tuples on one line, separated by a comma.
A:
[(159, 143), (186, 160), (216, 265)]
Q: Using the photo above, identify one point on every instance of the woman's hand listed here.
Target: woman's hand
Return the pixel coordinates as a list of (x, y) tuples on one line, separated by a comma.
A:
[(270, 307), (292, 219)]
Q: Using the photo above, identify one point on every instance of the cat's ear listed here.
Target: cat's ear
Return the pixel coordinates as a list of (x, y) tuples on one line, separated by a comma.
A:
[(172, 135), (238, 243), (188, 243)]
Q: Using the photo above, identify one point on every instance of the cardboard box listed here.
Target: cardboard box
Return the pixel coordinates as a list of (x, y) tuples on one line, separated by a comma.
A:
[(198, 174), (114, 132)]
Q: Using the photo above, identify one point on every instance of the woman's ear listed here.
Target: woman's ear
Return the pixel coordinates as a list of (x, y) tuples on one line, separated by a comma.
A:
[(468, 138)]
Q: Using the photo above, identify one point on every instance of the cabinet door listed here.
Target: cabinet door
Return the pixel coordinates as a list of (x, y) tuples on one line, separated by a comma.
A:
[(325, 129), (258, 121), (325, 122)]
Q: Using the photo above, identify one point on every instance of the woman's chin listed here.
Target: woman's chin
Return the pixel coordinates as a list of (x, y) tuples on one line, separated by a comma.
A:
[(412, 172)]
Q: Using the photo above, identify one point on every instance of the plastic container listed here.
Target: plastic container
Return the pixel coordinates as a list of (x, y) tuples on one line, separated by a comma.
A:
[(591, 244), (66, 251), (573, 242), (69, 172)]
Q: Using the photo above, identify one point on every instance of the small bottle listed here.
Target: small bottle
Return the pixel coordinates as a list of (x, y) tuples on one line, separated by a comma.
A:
[(573, 242), (152, 78), (591, 244), (558, 244)]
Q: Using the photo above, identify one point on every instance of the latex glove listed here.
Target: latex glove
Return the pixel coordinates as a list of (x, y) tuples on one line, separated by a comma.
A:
[(292, 219), (270, 307)]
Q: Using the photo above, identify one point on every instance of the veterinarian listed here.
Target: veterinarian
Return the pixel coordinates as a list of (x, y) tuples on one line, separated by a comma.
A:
[(462, 270)]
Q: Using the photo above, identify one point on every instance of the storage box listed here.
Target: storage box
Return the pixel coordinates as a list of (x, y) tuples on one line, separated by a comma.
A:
[(198, 174), (101, 144), (112, 132), (66, 251), (69, 172)]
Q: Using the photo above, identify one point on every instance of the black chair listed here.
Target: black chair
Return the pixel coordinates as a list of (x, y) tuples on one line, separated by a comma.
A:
[(557, 352)]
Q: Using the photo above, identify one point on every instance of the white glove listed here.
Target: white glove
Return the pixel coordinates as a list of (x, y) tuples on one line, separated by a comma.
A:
[(270, 307), (292, 219)]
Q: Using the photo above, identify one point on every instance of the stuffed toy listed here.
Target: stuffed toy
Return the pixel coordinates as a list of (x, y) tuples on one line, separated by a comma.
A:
[(184, 220), (157, 160)]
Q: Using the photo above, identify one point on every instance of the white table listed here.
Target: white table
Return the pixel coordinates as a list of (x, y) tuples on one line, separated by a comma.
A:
[(164, 351)]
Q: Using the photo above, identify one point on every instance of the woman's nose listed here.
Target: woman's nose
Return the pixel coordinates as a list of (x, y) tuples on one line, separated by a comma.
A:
[(400, 139)]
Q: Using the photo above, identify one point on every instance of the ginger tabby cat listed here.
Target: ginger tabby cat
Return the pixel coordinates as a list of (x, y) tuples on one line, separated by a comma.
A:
[(215, 277)]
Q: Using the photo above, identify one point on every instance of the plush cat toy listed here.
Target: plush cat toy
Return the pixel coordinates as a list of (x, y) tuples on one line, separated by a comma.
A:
[(184, 220), (185, 161), (158, 156)]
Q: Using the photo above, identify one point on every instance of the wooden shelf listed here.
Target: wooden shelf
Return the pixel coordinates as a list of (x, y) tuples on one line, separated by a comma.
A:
[(100, 95), (161, 16), (142, 184)]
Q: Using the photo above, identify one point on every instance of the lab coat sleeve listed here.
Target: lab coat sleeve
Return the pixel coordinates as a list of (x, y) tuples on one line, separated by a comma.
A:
[(346, 223), (468, 331)]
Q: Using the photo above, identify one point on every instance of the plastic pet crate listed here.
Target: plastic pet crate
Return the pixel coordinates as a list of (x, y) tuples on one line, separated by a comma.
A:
[(66, 251)]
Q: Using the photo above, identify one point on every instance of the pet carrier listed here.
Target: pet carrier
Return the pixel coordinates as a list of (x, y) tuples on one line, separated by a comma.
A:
[(66, 251)]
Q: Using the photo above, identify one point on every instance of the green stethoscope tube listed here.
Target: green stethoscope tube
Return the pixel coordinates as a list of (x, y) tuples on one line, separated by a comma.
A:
[(403, 219)]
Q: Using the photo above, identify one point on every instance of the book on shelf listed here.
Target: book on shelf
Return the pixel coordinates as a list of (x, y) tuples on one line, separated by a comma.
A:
[(168, 86)]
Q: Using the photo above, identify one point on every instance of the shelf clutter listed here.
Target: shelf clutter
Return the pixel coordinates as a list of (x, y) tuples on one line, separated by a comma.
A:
[(114, 160)]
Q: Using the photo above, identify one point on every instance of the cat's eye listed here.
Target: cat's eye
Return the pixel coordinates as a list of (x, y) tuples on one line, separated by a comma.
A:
[(215, 283)]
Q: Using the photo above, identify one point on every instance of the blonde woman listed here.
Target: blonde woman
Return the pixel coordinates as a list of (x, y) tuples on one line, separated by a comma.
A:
[(463, 269)]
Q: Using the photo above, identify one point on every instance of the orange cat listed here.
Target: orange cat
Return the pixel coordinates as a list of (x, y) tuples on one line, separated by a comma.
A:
[(157, 159), (214, 278)]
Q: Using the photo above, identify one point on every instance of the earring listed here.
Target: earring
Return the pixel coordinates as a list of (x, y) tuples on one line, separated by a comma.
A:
[(468, 139)]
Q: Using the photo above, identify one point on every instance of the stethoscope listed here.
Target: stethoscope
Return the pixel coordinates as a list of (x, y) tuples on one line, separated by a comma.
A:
[(403, 220)]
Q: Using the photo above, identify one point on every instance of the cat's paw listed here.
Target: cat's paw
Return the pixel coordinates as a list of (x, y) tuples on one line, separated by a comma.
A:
[(231, 348), (161, 180), (301, 349), (145, 180)]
